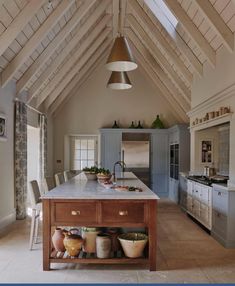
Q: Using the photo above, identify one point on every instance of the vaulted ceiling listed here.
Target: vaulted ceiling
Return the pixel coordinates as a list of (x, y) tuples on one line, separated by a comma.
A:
[(50, 47)]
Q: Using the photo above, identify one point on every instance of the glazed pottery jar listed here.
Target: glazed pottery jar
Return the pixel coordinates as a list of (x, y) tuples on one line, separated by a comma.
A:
[(89, 235), (103, 245), (58, 238), (73, 243)]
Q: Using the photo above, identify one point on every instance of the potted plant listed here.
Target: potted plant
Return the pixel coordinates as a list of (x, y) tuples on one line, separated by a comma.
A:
[(91, 172), (103, 175)]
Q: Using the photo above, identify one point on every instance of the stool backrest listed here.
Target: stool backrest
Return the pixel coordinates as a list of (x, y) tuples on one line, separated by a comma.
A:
[(34, 193), (48, 184), (59, 179), (68, 175)]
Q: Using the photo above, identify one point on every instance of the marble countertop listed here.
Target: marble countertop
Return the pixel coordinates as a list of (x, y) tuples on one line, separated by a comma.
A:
[(80, 188)]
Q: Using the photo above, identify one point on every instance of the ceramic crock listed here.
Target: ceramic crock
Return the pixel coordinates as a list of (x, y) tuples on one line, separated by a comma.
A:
[(73, 243)]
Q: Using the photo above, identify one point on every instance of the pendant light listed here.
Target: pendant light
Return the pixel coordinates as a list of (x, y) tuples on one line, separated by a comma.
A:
[(119, 80), (121, 58)]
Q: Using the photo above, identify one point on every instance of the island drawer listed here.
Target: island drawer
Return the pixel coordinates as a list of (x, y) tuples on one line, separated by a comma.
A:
[(122, 212), (74, 212)]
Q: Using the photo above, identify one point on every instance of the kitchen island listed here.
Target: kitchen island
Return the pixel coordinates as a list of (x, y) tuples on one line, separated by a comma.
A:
[(79, 202)]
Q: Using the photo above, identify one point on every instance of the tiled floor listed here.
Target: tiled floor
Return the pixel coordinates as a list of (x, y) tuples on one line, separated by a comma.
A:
[(185, 253)]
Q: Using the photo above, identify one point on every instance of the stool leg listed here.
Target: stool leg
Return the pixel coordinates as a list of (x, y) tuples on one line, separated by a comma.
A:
[(36, 227), (32, 229)]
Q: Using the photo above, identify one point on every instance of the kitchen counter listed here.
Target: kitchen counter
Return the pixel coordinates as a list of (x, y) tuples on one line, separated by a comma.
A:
[(79, 188), (82, 203)]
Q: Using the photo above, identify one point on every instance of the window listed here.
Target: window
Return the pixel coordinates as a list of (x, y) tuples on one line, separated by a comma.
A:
[(83, 152)]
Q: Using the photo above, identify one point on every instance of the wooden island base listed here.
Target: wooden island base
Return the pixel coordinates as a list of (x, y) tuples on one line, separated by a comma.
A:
[(99, 213)]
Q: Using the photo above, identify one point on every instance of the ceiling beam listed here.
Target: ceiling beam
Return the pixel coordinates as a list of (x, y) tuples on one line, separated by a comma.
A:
[(156, 53), (192, 30), (156, 35), (69, 47), (217, 22), (18, 24), (9, 72), (95, 49), (159, 18), (158, 70), (163, 92), (64, 76), (49, 50), (80, 78)]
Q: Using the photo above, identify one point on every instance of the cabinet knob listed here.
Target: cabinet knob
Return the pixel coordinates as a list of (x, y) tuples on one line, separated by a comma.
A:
[(123, 213), (75, 212)]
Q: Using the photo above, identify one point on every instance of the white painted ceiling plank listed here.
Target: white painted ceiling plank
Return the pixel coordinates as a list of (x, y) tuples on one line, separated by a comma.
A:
[(101, 47), (33, 42), (71, 65), (172, 32), (155, 34), (158, 56), (18, 24), (69, 47), (45, 55), (193, 31), (217, 22), (158, 70)]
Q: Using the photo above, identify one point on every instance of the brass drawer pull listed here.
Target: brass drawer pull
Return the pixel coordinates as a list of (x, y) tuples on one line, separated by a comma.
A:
[(123, 213), (75, 212)]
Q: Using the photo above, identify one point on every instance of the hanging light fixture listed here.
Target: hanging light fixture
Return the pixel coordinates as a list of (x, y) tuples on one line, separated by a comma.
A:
[(121, 58), (119, 80)]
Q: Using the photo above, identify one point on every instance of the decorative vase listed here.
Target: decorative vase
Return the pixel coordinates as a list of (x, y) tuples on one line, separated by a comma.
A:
[(157, 123), (139, 126), (73, 243), (89, 235), (115, 125), (132, 125), (58, 238), (103, 245)]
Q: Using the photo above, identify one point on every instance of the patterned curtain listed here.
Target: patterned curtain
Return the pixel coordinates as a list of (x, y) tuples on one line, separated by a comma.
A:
[(43, 146), (20, 159)]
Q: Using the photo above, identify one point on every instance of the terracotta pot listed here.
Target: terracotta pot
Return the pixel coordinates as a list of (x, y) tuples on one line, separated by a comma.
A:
[(133, 244), (58, 238), (103, 245), (89, 235), (73, 243)]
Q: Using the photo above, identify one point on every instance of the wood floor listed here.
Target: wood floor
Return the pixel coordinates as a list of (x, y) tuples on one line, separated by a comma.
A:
[(186, 253)]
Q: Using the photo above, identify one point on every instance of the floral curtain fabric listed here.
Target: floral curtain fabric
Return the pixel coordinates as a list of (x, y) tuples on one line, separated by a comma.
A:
[(20, 159), (43, 146)]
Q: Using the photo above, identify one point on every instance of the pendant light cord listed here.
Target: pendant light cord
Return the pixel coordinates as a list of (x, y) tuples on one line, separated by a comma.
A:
[(119, 19)]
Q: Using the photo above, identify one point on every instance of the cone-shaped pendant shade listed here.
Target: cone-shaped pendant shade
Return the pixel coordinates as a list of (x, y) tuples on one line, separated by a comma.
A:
[(119, 80), (121, 58)]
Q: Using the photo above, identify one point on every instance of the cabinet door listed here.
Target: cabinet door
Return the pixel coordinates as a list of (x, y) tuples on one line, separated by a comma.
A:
[(110, 149), (190, 186), (196, 208), (189, 203), (160, 184), (205, 215)]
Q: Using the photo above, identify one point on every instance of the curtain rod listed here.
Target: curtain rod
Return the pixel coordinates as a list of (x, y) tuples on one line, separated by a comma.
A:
[(30, 107)]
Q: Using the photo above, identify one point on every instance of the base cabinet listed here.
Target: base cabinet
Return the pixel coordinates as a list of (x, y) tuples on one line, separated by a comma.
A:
[(174, 190), (199, 202), (223, 216)]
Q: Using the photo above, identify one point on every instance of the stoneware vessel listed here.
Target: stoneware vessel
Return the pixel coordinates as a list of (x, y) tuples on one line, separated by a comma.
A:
[(73, 243), (103, 245), (133, 244), (58, 239), (89, 235)]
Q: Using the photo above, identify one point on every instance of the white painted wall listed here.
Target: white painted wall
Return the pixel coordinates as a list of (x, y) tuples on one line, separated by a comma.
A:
[(7, 197), (96, 106)]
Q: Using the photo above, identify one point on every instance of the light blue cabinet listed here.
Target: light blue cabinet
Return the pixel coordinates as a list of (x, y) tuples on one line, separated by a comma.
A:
[(110, 148), (223, 215)]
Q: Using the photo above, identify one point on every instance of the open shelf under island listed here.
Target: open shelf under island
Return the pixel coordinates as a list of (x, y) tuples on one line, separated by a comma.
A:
[(79, 203)]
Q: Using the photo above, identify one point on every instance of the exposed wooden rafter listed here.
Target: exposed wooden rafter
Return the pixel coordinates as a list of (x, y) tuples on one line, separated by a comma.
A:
[(34, 41), (156, 53), (70, 68), (70, 46), (192, 30), (49, 50), (217, 22), (18, 24), (155, 34)]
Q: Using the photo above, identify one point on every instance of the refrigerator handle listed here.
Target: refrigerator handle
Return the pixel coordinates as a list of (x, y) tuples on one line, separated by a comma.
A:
[(123, 159)]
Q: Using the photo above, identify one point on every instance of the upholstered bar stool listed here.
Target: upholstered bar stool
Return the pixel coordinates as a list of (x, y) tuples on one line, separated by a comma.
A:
[(59, 179), (68, 175), (48, 184), (36, 205)]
